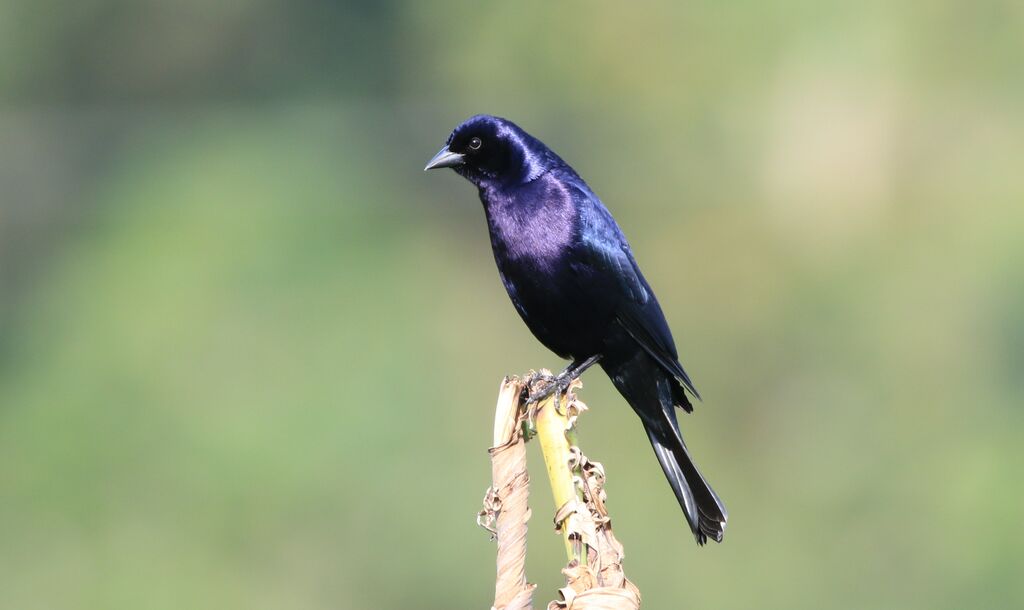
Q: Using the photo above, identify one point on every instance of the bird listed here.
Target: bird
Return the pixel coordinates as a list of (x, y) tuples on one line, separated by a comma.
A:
[(572, 277)]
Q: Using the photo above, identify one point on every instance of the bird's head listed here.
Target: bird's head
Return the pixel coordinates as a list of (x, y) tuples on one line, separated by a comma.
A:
[(491, 151)]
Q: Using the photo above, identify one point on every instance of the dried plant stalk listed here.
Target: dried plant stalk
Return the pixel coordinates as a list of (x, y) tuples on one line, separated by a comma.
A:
[(506, 510), (594, 576)]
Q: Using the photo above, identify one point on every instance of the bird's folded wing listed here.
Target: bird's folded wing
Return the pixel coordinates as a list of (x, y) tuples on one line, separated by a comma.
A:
[(639, 312), (639, 326)]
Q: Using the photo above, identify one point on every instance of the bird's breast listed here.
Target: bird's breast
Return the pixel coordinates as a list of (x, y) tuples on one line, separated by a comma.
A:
[(532, 227), (533, 236)]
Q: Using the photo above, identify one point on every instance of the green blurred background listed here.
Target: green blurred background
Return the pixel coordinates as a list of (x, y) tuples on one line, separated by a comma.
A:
[(249, 350)]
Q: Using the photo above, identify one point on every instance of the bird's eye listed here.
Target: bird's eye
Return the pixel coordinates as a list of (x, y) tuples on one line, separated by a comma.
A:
[(475, 144)]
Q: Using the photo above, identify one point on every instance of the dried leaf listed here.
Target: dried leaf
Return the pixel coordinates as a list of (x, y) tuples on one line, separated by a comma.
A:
[(505, 511)]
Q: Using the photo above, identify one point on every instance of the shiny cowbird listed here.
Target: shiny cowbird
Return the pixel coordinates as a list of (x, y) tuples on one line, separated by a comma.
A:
[(572, 277)]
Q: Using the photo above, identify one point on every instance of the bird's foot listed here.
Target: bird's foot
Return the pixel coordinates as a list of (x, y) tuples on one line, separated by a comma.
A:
[(553, 385), (558, 384)]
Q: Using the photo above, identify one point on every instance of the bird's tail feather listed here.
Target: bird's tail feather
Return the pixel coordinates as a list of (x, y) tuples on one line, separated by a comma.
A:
[(653, 394), (704, 510)]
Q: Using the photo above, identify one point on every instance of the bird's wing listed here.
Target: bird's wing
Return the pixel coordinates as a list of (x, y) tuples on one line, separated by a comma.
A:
[(638, 312), (639, 326)]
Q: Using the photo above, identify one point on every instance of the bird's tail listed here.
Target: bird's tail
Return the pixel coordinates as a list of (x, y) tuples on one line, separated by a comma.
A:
[(704, 510), (653, 394)]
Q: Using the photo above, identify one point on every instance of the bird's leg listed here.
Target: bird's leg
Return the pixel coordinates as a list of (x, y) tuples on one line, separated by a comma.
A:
[(560, 383), (577, 367)]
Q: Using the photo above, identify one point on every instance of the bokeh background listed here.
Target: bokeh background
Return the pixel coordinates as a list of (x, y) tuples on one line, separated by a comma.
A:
[(249, 350)]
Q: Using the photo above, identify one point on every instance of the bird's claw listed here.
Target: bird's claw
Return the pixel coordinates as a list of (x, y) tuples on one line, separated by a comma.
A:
[(556, 385), (529, 424)]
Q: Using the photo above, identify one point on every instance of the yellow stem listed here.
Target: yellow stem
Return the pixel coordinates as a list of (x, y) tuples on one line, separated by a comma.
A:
[(551, 432)]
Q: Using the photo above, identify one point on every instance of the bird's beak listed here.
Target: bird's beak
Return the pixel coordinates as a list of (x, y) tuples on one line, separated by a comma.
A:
[(445, 158)]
